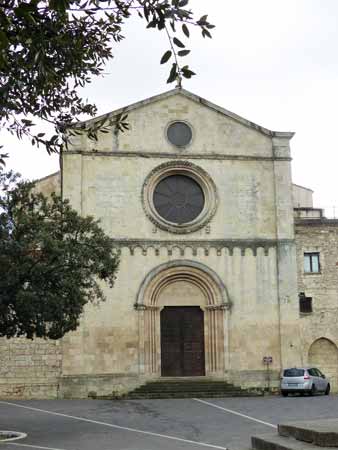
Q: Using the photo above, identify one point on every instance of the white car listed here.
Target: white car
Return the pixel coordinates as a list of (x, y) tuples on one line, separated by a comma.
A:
[(303, 380)]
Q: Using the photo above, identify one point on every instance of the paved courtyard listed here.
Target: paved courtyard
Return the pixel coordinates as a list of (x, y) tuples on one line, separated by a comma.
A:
[(188, 424)]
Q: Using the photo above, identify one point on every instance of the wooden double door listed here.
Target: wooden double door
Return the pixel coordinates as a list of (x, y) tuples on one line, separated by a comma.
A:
[(182, 341)]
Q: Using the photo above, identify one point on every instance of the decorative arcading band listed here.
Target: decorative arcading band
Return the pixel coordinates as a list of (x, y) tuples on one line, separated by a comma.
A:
[(192, 246)]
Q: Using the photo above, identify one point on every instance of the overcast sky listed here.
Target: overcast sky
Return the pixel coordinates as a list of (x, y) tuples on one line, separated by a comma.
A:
[(272, 62)]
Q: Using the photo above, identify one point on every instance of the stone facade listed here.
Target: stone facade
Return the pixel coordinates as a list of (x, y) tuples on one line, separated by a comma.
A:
[(319, 328), (235, 261), (237, 264), (49, 184)]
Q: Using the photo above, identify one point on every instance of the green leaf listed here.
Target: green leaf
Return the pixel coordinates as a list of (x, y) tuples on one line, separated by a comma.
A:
[(173, 73), (206, 33), (185, 30), (3, 39), (152, 24), (166, 57), (203, 19), (186, 72), (183, 52), (178, 42)]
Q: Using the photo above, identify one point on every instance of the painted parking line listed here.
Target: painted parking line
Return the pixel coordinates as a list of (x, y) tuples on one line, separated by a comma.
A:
[(34, 446), (231, 411), (118, 427)]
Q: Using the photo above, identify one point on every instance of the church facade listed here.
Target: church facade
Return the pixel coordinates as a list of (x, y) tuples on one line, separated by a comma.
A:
[(200, 204)]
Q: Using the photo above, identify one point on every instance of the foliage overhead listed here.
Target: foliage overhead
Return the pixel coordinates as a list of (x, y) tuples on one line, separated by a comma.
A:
[(52, 262), (51, 48)]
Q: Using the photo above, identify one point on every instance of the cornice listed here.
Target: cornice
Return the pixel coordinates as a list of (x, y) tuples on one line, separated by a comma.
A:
[(206, 245), (318, 222), (154, 155)]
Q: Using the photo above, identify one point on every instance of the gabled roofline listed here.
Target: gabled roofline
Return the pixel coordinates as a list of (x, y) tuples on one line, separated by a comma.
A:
[(195, 98), (47, 176), (302, 187)]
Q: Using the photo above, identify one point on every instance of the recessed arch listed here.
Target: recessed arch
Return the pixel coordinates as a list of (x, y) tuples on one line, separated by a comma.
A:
[(204, 289), (197, 272), (323, 353)]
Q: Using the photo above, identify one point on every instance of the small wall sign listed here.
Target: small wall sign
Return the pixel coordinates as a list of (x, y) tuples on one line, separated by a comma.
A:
[(267, 359)]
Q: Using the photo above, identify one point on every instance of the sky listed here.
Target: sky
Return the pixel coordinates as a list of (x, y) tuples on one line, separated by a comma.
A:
[(272, 62)]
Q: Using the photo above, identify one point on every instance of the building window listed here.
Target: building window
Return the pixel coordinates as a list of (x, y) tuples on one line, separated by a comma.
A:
[(305, 303), (179, 134), (311, 263), (179, 197)]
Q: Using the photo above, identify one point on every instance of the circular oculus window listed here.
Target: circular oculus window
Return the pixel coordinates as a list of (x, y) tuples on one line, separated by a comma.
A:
[(179, 134), (179, 197)]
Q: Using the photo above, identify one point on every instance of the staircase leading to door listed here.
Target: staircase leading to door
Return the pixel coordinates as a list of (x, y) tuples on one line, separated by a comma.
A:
[(189, 388)]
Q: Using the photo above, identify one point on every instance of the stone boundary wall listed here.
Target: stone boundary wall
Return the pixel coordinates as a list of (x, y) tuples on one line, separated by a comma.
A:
[(99, 385), (29, 369)]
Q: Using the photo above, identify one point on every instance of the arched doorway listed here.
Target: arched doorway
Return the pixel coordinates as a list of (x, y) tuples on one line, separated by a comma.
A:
[(323, 354), (183, 311)]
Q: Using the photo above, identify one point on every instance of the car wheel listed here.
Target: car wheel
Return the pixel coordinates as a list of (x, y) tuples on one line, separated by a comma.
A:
[(327, 391), (284, 394), (313, 390)]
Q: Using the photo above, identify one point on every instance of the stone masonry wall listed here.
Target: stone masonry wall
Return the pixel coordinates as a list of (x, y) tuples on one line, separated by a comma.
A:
[(319, 328), (251, 174), (29, 369)]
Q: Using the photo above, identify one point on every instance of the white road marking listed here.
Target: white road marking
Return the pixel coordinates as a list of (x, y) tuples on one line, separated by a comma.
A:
[(118, 427), (17, 435), (231, 411), (35, 446)]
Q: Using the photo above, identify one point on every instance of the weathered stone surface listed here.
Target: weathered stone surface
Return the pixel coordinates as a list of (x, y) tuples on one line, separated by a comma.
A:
[(319, 329), (275, 442), (29, 369), (323, 433), (239, 267), (49, 184)]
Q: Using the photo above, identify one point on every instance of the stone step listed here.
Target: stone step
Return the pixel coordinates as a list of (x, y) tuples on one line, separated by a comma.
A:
[(158, 395), (187, 388), (323, 433), (189, 380), (188, 391), (183, 388), (135, 396), (274, 441)]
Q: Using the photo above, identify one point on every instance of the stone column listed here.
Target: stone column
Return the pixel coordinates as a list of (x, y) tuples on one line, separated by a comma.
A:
[(149, 329), (215, 316)]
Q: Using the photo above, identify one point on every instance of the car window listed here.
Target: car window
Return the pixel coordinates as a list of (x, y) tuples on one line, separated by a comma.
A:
[(294, 372), (312, 372), (320, 374)]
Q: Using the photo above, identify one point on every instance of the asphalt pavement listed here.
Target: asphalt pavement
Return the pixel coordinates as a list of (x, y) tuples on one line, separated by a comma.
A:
[(187, 424)]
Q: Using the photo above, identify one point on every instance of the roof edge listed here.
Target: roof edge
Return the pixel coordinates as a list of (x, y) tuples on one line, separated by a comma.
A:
[(197, 99), (47, 176), (302, 187)]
